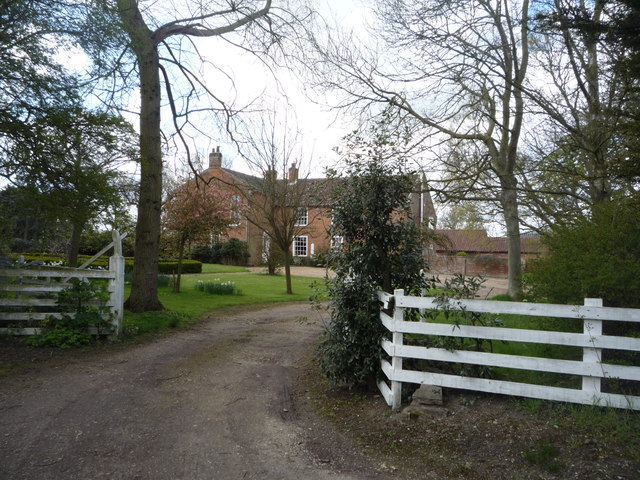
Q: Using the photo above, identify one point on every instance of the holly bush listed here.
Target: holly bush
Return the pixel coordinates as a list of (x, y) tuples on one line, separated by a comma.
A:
[(381, 250)]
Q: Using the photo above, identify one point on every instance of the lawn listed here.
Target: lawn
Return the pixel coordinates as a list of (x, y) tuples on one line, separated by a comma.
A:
[(539, 350), (184, 307), (217, 268)]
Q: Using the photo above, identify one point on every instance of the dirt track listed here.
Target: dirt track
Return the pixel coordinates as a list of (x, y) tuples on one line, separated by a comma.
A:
[(214, 402)]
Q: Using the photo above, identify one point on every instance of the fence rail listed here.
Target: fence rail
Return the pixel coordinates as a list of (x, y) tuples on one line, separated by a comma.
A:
[(22, 290), (592, 341)]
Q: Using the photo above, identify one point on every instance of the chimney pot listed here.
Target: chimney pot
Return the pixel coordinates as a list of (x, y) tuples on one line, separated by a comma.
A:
[(293, 173), (215, 158)]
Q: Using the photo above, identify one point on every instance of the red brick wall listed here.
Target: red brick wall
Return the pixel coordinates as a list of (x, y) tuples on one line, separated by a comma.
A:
[(490, 265), (316, 230)]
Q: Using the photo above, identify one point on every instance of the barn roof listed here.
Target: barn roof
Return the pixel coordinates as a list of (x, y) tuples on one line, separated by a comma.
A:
[(478, 241)]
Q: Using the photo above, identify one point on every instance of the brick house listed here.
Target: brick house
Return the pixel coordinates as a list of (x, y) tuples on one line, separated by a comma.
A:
[(313, 216)]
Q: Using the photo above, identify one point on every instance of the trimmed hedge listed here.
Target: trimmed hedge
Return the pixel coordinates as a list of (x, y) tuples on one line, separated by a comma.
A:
[(164, 266), (171, 266)]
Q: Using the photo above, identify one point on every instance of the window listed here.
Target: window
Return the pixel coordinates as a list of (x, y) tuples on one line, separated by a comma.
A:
[(236, 214), (336, 242), (266, 247), (300, 246), (302, 218)]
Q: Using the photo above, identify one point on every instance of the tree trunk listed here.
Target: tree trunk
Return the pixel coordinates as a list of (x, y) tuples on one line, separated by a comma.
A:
[(176, 285), (509, 202), (74, 245), (144, 285), (271, 268), (287, 271), (597, 128)]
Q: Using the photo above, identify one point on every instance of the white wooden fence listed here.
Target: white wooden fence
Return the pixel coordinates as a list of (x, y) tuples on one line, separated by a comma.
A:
[(24, 289), (591, 340)]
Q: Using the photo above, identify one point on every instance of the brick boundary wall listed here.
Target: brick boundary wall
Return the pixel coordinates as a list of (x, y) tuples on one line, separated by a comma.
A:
[(486, 265)]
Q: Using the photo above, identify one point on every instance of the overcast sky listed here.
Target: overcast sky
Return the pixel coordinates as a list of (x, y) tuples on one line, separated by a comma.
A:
[(321, 127)]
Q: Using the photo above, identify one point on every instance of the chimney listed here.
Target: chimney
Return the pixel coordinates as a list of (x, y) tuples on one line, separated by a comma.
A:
[(215, 158), (293, 173)]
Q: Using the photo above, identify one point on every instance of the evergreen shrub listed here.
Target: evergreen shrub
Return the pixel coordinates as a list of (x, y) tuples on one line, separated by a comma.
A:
[(381, 250), (598, 257), (235, 252), (85, 316)]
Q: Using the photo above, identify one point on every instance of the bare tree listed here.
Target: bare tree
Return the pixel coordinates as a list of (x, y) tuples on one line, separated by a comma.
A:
[(277, 203), (455, 68), (161, 36)]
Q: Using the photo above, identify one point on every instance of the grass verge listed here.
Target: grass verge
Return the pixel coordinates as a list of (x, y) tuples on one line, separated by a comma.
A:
[(184, 307)]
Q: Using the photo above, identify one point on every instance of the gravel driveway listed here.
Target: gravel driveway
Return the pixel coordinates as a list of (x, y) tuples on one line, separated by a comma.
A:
[(213, 402), (491, 287)]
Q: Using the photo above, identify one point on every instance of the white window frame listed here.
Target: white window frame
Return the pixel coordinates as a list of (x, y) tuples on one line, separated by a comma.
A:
[(336, 242), (266, 246), (302, 217), (236, 215), (300, 242)]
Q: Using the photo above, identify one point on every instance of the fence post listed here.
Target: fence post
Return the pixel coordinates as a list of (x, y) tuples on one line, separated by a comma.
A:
[(423, 293), (396, 362), (116, 284), (593, 328)]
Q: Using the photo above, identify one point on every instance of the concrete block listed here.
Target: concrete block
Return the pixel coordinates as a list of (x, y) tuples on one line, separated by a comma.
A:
[(427, 395)]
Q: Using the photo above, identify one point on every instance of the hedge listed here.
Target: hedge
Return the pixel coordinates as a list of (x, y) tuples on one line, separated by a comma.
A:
[(171, 266), (164, 266)]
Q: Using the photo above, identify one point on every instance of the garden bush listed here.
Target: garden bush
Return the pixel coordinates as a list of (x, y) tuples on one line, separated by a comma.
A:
[(216, 253), (321, 257), (60, 259), (84, 317), (381, 250), (235, 252), (304, 261), (598, 256), (350, 348), (164, 281), (274, 259), (169, 267), (232, 252), (202, 253), (92, 242)]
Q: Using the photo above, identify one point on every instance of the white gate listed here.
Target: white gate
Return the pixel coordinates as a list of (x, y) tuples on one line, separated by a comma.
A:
[(27, 289)]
